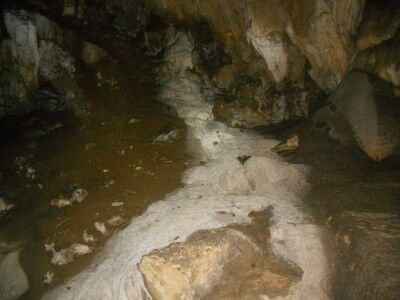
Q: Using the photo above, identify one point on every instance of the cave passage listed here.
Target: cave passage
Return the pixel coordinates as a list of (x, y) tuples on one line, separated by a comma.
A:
[(185, 149)]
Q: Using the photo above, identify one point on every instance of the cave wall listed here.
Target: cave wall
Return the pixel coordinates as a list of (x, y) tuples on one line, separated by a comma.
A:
[(39, 59), (278, 59), (328, 34)]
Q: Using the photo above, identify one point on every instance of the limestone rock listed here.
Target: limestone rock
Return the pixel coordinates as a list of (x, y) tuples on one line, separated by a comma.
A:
[(19, 62), (24, 48), (368, 256), (13, 280), (46, 29), (217, 264), (382, 60), (379, 24), (271, 40), (266, 34), (190, 270), (55, 62), (72, 8), (4, 206), (34, 52), (324, 32), (364, 109)]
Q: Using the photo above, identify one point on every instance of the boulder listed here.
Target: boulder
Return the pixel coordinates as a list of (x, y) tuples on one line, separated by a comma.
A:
[(363, 109), (223, 263)]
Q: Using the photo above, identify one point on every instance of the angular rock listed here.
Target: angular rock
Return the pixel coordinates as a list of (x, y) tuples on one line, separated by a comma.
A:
[(222, 263), (190, 270)]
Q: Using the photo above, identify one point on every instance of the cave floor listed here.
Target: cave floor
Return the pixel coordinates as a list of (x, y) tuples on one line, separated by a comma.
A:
[(110, 154), (356, 201)]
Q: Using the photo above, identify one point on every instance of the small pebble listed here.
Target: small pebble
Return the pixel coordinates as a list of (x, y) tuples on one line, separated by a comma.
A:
[(88, 238), (48, 277), (101, 227)]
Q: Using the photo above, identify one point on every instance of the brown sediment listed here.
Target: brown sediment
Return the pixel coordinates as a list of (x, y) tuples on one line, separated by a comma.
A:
[(111, 155)]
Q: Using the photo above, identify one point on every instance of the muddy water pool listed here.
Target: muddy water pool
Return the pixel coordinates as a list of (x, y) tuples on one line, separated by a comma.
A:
[(110, 160)]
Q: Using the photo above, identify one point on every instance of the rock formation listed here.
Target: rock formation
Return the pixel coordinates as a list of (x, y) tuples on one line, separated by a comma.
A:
[(36, 53), (364, 109), (217, 264), (272, 60), (220, 193), (19, 62), (246, 63)]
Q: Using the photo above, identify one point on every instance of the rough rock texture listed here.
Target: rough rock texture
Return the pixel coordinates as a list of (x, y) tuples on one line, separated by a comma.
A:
[(55, 62), (36, 51), (126, 18), (357, 200), (289, 48), (19, 62), (364, 109), (380, 23), (222, 263), (369, 257), (383, 60), (320, 30), (324, 32)]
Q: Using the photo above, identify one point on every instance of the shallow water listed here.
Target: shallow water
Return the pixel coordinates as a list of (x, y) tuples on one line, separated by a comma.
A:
[(110, 154)]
